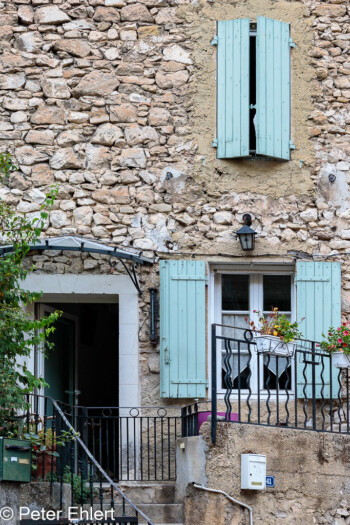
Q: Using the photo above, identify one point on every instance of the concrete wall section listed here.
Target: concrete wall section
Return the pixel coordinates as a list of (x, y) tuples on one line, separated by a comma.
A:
[(311, 475)]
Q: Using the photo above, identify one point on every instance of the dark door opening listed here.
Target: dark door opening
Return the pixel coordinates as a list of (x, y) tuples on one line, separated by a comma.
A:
[(82, 369)]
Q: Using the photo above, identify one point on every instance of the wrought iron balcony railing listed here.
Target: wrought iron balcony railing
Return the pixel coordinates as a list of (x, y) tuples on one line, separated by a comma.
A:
[(303, 391)]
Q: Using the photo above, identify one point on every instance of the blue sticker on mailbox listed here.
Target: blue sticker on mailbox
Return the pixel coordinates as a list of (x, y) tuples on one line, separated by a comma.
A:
[(270, 481)]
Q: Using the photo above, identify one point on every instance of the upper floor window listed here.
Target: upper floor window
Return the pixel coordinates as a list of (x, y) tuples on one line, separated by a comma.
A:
[(253, 88)]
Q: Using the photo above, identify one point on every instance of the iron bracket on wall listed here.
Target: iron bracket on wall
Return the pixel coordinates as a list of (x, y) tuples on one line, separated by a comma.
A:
[(153, 315), (130, 271)]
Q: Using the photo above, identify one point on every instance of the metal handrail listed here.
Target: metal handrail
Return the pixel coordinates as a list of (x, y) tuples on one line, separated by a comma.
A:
[(94, 461)]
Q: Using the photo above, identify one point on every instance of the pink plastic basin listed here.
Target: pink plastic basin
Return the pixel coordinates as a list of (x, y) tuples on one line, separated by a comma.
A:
[(203, 417)]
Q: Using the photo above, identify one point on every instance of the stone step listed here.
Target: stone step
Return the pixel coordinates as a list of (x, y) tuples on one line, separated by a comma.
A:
[(165, 513), (149, 492), (168, 514)]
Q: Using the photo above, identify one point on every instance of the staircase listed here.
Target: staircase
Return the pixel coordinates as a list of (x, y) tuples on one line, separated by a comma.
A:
[(156, 500)]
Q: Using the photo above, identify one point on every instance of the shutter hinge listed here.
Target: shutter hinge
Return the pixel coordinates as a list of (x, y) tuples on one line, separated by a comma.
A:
[(311, 280), (166, 356), (215, 143), (291, 144), (214, 41), (291, 42), (189, 382)]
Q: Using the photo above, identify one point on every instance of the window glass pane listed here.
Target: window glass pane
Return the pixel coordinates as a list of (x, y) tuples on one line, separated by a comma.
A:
[(231, 377), (235, 292), (280, 370), (277, 292), (240, 322)]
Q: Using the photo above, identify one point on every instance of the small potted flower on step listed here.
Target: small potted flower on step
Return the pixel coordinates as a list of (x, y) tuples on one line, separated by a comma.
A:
[(277, 335), (338, 345)]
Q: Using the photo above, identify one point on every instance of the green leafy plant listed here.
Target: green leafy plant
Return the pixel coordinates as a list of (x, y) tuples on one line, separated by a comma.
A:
[(278, 325), (80, 487), (19, 333), (48, 441), (338, 340)]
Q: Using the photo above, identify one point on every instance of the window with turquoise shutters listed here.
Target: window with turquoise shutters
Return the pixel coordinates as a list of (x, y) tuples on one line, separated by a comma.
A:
[(182, 329), (319, 303), (253, 88)]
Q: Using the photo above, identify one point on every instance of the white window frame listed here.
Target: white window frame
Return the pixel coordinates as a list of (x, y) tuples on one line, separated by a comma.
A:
[(256, 271)]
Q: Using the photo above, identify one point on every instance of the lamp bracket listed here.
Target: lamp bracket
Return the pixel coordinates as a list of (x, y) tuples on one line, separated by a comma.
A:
[(247, 219)]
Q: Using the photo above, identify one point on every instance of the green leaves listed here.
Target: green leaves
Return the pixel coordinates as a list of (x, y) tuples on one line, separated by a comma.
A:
[(20, 334), (338, 339), (6, 166), (278, 325)]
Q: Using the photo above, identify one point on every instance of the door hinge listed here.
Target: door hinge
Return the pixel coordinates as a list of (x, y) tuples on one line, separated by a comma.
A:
[(214, 41), (215, 143), (291, 42), (291, 144)]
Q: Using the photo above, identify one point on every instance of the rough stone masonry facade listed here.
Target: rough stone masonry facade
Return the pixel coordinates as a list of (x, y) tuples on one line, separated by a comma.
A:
[(114, 100)]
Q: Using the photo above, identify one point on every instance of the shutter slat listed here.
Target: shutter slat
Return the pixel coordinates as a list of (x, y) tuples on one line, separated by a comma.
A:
[(182, 329), (273, 88), (319, 301), (233, 88)]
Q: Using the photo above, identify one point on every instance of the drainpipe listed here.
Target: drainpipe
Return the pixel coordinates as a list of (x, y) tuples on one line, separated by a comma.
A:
[(201, 487)]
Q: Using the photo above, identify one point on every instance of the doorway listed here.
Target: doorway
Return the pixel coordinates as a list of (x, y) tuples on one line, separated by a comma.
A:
[(82, 368)]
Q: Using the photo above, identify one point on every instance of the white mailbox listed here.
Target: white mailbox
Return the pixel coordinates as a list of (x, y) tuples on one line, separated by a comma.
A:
[(253, 471)]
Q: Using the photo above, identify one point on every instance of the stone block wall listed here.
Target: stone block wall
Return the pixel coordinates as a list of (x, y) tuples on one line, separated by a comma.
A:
[(311, 472)]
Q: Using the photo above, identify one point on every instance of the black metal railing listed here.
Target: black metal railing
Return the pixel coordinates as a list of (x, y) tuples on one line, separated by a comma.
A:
[(77, 479), (303, 391), (132, 444), (189, 420)]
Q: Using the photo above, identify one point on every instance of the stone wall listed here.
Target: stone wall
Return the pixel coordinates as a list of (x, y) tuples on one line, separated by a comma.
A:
[(311, 476), (114, 100), (35, 495)]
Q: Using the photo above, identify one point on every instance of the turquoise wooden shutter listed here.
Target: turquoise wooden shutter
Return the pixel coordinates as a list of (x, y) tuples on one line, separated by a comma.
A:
[(182, 329), (273, 88), (233, 88), (319, 301)]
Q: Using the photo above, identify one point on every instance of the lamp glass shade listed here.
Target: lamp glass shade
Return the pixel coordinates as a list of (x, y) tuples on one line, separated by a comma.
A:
[(247, 238)]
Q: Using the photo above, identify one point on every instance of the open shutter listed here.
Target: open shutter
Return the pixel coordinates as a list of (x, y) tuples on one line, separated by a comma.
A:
[(273, 88), (182, 329), (233, 88), (319, 301)]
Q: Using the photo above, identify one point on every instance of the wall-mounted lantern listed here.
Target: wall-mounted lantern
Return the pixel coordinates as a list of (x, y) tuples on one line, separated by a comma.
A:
[(246, 235)]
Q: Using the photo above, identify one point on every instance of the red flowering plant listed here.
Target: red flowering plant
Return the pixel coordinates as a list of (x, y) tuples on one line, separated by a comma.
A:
[(278, 325), (338, 340)]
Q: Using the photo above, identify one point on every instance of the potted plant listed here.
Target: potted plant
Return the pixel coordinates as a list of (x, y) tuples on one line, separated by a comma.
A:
[(277, 334), (338, 345), (44, 447)]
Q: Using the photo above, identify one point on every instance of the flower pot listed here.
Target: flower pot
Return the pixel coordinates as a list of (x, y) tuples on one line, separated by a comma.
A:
[(44, 467), (340, 360), (272, 345)]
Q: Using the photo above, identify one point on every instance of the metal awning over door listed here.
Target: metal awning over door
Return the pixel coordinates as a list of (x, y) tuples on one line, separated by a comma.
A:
[(83, 244)]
